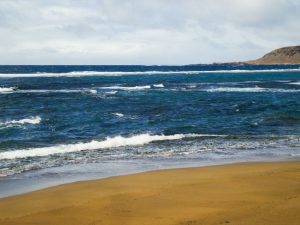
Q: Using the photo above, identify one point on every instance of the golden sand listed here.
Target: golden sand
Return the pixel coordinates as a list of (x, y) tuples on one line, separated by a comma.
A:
[(251, 193)]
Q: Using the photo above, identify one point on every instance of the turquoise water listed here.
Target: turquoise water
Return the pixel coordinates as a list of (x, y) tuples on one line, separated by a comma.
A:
[(58, 116)]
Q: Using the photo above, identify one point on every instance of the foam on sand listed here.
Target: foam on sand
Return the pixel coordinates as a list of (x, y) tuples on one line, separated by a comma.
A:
[(109, 142)]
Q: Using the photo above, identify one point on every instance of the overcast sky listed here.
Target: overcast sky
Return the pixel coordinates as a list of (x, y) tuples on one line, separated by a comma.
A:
[(144, 31)]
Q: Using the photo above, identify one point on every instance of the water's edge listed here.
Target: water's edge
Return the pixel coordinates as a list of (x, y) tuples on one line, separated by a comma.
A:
[(32, 181)]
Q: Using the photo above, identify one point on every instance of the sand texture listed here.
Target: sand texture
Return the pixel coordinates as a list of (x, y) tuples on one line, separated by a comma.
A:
[(240, 194)]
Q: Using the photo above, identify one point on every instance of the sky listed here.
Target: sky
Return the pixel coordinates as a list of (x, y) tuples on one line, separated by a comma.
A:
[(148, 32)]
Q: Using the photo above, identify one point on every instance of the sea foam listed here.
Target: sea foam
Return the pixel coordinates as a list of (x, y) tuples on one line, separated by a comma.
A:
[(111, 92), (91, 91), (109, 142), (30, 120), (158, 85), (127, 88), (41, 91), (118, 114), (295, 83), (5, 90), (236, 89), (249, 89), (125, 73)]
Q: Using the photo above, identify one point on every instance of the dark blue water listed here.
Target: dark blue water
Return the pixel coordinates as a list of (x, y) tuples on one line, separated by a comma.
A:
[(53, 116)]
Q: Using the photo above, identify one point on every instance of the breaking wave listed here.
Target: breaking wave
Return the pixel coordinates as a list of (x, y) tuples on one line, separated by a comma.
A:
[(295, 83), (118, 114), (249, 89), (121, 73), (30, 120), (158, 85), (109, 142), (6, 89), (127, 88), (41, 91)]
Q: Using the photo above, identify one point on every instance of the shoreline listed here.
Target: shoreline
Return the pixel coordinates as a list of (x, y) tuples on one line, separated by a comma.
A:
[(196, 195), (35, 180)]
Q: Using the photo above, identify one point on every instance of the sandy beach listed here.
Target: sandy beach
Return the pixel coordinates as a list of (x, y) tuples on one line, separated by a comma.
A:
[(248, 193), (149, 112)]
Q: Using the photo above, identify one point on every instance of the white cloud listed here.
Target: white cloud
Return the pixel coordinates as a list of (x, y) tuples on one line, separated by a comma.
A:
[(144, 32)]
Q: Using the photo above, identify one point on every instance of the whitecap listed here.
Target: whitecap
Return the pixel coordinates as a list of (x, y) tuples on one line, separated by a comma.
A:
[(30, 120), (123, 73), (6, 90), (111, 92), (41, 91), (295, 83), (109, 142), (158, 85), (249, 89), (118, 114), (92, 91), (236, 89), (128, 88)]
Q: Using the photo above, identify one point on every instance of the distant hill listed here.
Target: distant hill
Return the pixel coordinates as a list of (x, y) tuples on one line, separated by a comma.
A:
[(286, 55)]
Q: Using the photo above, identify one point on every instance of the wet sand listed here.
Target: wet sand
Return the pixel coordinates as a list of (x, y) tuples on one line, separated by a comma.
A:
[(246, 193)]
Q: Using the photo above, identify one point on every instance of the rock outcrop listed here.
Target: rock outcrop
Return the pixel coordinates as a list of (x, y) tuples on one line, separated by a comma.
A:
[(286, 55)]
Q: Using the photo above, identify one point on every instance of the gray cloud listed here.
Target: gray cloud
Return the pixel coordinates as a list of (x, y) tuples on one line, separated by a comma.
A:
[(144, 32)]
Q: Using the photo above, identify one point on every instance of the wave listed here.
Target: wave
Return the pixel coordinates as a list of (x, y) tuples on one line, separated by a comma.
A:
[(127, 88), (7, 89), (19, 91), (236, 89), (111, 92), (122, 73), (90, 91), (109, 142), (295, 83), (118, 114), (249, 89), (30, 120), (133, 88), (113, 89), (14, 90), (158, 85)]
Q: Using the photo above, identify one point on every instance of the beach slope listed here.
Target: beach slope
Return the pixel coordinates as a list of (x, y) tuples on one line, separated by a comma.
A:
[(251, 193)]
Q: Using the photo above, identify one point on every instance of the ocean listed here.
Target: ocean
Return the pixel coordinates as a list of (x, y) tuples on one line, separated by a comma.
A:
[(66, 123)]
